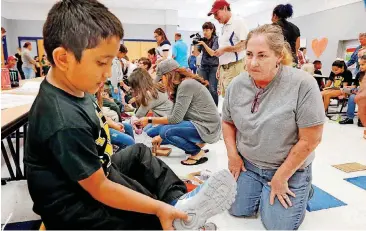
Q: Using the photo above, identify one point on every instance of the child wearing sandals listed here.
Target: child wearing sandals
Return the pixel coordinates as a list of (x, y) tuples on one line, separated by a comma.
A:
[(150, 97), (194, 119)]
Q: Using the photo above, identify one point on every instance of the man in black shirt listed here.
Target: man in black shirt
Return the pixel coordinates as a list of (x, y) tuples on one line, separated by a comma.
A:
[(74, 178)]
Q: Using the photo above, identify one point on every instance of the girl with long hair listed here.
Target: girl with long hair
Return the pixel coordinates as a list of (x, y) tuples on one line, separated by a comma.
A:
[(194, 119)]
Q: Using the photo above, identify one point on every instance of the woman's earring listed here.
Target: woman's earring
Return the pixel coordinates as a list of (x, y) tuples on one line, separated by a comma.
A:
[(276, 65)]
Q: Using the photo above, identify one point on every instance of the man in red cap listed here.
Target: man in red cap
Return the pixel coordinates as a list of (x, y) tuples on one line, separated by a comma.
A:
[(231, 42), (13, 71)]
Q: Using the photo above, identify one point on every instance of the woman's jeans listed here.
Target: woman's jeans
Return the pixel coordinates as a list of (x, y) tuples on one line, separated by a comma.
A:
[(351, 107), (209, 74), (28, 72), (183, 135), (122, 139), (254, 194)]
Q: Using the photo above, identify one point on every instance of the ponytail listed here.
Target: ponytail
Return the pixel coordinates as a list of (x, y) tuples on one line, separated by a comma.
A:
[(283, 11)]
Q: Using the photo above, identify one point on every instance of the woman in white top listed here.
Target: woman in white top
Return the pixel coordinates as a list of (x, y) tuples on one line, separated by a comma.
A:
[(164, 49)]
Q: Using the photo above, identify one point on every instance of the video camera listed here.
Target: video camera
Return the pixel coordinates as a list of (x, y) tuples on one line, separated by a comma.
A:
[(196, 38)]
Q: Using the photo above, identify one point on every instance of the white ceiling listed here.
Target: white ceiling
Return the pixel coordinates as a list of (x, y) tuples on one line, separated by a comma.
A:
[(185, 8)]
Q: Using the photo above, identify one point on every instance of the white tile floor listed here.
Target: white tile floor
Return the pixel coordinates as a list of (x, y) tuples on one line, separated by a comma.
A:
[(341, 144)]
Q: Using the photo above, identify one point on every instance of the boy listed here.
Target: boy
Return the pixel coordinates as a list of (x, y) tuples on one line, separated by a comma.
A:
[(317, 67), (73, 177)]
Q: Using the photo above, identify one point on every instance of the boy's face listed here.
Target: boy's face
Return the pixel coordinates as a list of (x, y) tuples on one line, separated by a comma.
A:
[(362, 65), (318, 66), (94, 67)]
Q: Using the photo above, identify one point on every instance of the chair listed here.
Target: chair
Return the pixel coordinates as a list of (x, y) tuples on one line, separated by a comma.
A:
[(340, 101)]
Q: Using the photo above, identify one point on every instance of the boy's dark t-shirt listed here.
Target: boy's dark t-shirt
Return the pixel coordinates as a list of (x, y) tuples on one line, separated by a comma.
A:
[(318, 72), (68, 140), (345, 77)]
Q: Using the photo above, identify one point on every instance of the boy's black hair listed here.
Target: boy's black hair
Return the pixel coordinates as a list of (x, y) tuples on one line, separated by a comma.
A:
[(152, 51), (339, 64), (77, 25), (302, 48), (123, 49), (317, 61), (363, 57), (283, 11)]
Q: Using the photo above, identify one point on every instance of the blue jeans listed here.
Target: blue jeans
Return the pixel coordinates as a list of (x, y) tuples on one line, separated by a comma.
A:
[(183, 135), (254, 193), (209, 74), (154, 131), (122, 139), (351, 107), (28, 72)]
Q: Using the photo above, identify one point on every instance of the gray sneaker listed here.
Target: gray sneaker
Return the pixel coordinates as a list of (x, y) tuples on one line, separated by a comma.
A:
[(210, 198)]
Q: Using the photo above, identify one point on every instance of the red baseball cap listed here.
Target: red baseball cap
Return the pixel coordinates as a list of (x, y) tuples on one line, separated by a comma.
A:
[(10, 58), (218, 5)]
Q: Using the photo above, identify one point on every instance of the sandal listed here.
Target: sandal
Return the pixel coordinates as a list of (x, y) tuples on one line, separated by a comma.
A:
[(197, 162), (163, 151)]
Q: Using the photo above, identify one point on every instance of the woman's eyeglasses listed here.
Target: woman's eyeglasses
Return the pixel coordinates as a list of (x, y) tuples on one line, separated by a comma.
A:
[(255, 104)]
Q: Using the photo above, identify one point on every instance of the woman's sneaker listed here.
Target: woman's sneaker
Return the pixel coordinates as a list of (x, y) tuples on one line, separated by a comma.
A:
[(210, 198)]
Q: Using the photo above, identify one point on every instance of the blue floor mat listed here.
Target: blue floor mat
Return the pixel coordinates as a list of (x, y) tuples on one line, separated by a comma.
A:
[(359, 181), (323, 200), (26, 225)]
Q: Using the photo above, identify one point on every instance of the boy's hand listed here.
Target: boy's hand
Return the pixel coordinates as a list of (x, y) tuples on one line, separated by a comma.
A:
[(118, 126), (167, 214), (121, 127)]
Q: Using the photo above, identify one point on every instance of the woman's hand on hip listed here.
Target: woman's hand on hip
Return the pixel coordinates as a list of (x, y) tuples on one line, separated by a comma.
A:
[(236, 165), (280, 189)]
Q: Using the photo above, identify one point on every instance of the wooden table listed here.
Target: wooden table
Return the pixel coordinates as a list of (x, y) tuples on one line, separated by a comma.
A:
[(12, 120)]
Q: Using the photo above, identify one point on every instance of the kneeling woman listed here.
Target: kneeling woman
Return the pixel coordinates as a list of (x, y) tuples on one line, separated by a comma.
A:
[(150, 97), (194, 119)]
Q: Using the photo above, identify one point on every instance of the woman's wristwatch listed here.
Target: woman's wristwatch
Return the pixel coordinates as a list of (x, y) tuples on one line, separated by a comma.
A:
[(149, 120)]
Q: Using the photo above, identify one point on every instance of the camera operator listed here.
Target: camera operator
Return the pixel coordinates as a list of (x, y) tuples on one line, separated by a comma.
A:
[(232, 44), (209, 62)]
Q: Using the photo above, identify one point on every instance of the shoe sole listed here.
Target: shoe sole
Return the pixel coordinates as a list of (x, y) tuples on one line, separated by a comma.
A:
[(216, 196)]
